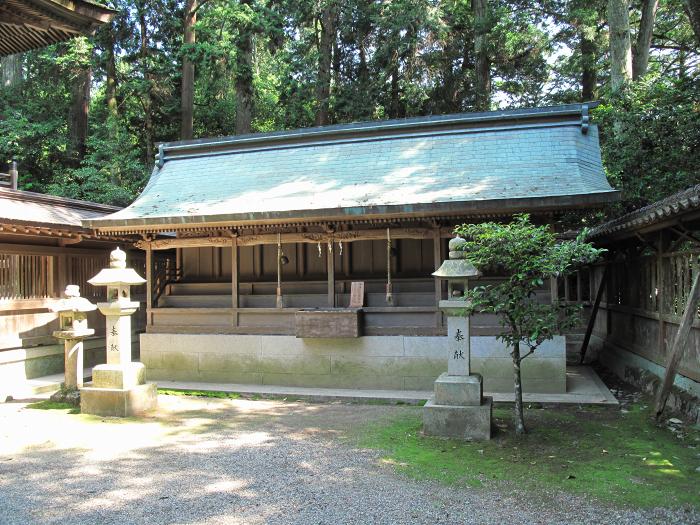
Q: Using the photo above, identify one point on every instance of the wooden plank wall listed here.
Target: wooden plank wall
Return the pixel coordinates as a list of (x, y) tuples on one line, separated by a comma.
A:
[(642, 306), (361, 259), (33, 277)]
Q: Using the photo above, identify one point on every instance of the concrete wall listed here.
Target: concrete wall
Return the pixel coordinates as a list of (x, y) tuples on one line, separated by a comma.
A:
[(372, 362)]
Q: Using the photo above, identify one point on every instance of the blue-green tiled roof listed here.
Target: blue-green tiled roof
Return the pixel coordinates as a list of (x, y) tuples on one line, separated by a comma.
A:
[(414, 166)]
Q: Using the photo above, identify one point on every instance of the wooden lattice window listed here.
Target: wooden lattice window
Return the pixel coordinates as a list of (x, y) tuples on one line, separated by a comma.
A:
[(26, 276), (80, 268)]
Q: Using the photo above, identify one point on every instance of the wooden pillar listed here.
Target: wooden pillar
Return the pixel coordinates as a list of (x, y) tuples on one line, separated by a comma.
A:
[(330, 263), (661, 295), (149, 285), (278, 292), (437, 260), (234, 279), (61, 275)]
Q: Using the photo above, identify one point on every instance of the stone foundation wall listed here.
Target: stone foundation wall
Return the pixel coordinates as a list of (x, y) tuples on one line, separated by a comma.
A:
[(20, 364), (371, 362), (646, 375)]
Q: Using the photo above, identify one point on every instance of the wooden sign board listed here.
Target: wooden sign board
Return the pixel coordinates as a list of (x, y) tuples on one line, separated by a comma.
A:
[(357, 295)]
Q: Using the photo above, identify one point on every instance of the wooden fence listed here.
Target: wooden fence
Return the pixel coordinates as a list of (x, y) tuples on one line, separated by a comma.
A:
[(643, 302)]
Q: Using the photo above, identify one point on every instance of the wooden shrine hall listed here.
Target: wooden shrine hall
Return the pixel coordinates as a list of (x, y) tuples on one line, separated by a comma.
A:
[(265, 235)]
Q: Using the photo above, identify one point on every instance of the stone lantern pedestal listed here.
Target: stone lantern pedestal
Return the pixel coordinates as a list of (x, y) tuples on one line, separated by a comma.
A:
[(118, 387), (458, 408), (73, 329)]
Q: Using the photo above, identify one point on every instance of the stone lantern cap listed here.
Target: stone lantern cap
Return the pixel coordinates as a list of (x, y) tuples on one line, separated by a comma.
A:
[(117, 273), (457, 266), (72, 302)]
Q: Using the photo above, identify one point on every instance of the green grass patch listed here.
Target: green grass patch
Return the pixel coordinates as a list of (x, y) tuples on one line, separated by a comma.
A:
[(620, 458), (199, 393), (54, 405)]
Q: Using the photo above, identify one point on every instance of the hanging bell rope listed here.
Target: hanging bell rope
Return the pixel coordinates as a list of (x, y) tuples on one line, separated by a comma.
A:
[(279, 271), (389, 295)]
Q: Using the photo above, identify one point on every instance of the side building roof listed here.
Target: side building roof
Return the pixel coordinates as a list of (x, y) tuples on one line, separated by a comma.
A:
[(681, 206), (25, 208), (452, 165)]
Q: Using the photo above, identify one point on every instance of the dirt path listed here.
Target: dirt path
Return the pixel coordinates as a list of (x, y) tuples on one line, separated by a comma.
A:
[(238, 461)]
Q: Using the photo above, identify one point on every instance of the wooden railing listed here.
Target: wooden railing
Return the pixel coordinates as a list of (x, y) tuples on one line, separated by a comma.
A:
[(165, 272)]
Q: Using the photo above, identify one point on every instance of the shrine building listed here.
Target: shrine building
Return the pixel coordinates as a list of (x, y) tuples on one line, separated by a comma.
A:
[(304, 257)]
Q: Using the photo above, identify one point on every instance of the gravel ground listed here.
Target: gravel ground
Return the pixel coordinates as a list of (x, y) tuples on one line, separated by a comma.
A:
[(240, 461)]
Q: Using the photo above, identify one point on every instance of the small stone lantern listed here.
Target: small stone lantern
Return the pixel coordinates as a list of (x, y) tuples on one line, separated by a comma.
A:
[(73, 328), (458, 408), (118, 387)]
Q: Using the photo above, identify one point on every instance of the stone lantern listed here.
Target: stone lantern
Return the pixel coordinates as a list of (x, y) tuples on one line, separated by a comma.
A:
[(458, 408), (118, 387), (73, 328)]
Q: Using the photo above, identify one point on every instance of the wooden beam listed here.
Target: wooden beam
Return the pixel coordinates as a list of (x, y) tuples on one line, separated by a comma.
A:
[(288, 238), (437, 262), (680, 343), (594, 313), (330, 260)]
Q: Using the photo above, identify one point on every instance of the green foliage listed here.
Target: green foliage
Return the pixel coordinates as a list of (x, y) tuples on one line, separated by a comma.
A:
[(613, 457), (651, 134), (527, 255)]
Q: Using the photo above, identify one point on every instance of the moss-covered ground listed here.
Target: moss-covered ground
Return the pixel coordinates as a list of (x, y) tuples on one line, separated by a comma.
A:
[(620, 457), (54, 405), (199, 393)]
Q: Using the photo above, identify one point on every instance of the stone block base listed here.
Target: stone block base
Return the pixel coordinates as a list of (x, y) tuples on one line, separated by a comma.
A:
[(119, 402), (458, 390), (471, 423), (119, 376)]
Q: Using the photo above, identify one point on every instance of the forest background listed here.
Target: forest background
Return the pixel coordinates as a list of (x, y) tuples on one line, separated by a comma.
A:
[(83, 118)]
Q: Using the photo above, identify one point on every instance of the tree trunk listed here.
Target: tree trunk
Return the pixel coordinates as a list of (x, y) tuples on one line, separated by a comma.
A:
[(620, 45), (111, 96), (325, 56), (187, 90), (589, 70), (11, 70), (518, 418), (111, 71), (80, 108), (692, 8), (640, 58), (482, 69), (244, 78), (147, 95)]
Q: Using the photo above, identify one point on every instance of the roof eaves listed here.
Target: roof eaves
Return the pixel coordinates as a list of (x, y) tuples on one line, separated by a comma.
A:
[(465, 208), (671, 207)]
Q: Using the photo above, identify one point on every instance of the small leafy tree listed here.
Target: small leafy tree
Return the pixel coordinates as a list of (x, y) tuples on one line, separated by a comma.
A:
[(526, 256)]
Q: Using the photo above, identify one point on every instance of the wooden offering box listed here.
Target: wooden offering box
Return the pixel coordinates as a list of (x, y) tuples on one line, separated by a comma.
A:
[(328, 322)]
